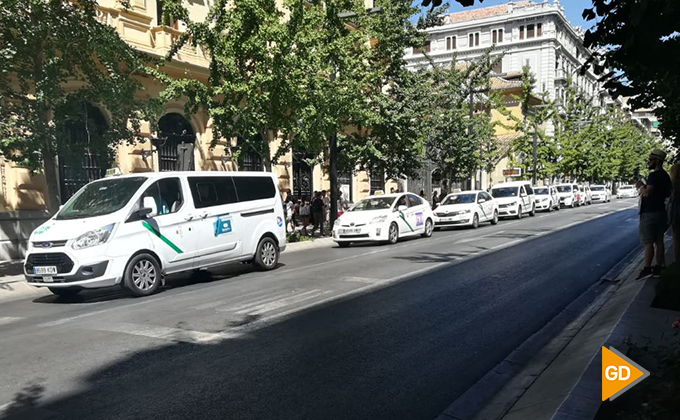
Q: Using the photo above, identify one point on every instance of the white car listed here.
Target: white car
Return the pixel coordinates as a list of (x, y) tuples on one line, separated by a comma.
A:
[(384, 218), (626, 191), (515, 199), (584, 195), (569, 195), (132, 230), (466, 208), (546, 198), (600, 194)]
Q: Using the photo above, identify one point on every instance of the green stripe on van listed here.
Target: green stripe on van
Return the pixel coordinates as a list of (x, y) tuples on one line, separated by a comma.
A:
[(163, 238)]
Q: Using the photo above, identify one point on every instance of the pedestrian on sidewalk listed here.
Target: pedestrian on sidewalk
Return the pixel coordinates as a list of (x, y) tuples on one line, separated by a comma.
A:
[(674, 211), (653, 214), (304, 214), (435, 199), (326, 197), (317, 213)]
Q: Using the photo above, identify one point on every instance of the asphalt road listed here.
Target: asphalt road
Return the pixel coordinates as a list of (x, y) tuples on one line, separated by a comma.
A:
[(367, 332)]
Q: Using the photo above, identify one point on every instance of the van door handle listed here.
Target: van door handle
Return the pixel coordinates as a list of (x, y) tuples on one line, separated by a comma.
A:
[(205, 215), (189, 217)]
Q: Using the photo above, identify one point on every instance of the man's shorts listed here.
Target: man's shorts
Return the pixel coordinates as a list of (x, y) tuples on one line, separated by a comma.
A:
[(653, 226)]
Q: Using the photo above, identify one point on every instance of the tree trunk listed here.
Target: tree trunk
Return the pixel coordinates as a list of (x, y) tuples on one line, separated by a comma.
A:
[(333, 175), (267, 137), (52, 196)]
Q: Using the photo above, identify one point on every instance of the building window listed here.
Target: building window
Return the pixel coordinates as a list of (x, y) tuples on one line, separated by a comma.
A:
[(424, 48), (497, 36), (450, 42), (521, 32), (530, 31), (539, 29), (473, 40)]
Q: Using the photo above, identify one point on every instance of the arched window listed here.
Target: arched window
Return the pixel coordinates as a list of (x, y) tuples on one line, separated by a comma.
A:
[(175, 143), (83, 154)]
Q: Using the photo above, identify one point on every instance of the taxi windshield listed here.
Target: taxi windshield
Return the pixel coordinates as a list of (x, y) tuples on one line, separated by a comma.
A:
[(596, 188), (373, 203), (504, 192), (541, 191), (563, 188), (100, 198), (459, 199), (626, 187)]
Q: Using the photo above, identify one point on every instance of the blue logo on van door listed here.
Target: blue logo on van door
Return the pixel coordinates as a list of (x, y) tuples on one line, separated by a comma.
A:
[(222, 225), (279, 221)]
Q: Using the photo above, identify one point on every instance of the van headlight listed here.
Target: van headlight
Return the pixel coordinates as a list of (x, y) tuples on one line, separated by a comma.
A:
[(378, 219), (94, 237)]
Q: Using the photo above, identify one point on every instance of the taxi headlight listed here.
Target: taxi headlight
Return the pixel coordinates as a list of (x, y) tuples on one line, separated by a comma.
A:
[(94, 237), (378, 219)]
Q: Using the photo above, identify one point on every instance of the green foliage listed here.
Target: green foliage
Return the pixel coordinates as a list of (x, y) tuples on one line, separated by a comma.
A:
[(456, 144), (56, 59), (638, 53)]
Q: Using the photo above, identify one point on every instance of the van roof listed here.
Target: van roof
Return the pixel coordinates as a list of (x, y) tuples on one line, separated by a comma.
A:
[(169, 174)]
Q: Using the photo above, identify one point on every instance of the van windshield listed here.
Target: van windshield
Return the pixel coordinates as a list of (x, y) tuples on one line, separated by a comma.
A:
[(504, 192), (100, 198)]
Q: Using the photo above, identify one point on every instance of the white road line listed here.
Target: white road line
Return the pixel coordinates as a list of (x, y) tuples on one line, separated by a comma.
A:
[(260, 301), (8, 320), (271, 306), (508, 244), (360, 280), (224, 302), (165, 333)]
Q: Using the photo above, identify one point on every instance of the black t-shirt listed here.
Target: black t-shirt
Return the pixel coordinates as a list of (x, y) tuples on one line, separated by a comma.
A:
[(317, 205), (656, 201)]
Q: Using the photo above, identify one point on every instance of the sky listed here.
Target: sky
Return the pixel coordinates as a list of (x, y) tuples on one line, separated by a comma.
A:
[(572, 8)]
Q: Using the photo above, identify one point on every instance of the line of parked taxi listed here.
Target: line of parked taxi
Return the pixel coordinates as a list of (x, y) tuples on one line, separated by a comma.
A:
[(389, 217)]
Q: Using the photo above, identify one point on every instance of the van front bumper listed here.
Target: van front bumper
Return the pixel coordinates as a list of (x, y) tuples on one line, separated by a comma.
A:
[(91, 271)]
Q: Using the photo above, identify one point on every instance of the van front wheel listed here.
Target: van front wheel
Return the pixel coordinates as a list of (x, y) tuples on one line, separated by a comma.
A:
[(267, 254), (142, 275)]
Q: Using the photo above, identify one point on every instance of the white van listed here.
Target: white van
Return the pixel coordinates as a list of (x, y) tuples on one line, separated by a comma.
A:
[(132, 230), (515, 199)]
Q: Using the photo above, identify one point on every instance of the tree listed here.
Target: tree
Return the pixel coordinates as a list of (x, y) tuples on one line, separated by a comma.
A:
[(533, 119), (456, 135), (56, 61), (637, 52)]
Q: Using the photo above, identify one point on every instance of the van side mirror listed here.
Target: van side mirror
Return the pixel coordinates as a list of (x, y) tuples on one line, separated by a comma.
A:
[(149, 207)]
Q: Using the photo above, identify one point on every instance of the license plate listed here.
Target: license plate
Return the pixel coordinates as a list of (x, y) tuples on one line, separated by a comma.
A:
[(349, 231), (45, 270), (447, 219)]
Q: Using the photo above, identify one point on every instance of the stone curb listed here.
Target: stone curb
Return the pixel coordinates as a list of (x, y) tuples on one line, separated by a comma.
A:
[(316, 243)]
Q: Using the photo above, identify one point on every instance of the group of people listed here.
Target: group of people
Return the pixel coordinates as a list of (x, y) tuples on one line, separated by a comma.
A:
[(659, 208), (314, 212)]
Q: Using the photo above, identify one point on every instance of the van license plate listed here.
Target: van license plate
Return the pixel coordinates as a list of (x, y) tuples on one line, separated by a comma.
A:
[(45, 270)]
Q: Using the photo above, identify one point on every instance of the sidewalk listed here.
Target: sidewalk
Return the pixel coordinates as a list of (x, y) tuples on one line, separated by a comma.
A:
[(569, 388), (13, 284)]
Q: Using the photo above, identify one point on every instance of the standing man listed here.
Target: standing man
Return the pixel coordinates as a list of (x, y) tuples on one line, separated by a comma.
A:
[(317, 213), (653, 215)]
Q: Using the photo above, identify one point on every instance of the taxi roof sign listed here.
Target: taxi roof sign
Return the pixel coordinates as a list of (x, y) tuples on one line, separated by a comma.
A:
[(512, 172), (113, 172)]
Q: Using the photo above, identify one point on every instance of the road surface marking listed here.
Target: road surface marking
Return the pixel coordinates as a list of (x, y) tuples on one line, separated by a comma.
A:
[(360, 280), (268, 307), (165, 333), (260, 301), (8, 320)]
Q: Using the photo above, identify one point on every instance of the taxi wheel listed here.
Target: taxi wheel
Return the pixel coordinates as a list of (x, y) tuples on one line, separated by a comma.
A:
[(393, 234), (572, 204), (428, 228), (550, 207), (343, 244), (475, 221), (519, 212), (267, 254), (533, 211), (64, 292), (494, 221), (142, 275)]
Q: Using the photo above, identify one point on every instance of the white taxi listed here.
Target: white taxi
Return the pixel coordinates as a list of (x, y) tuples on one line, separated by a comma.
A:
[(466, 208), (600, 193), (384, 218), (626, 191)]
